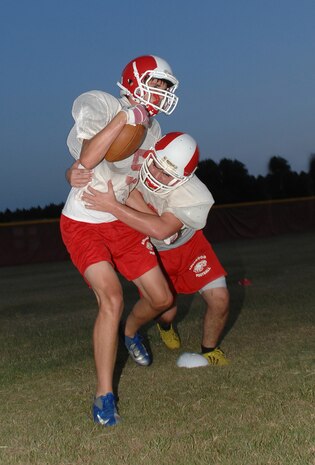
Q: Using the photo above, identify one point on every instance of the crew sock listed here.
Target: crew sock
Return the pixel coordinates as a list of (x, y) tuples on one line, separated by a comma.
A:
[(165, 326), (204, 349)]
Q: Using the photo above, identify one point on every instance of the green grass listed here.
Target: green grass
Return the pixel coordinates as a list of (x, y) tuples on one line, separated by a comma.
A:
[(257, 411)]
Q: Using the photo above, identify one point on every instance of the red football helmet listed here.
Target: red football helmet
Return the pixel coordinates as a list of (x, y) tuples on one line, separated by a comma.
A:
[(177, 155), (136, 76)]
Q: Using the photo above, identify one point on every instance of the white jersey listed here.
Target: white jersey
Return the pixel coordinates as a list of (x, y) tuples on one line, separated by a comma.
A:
[(92, 111), (190, 203)]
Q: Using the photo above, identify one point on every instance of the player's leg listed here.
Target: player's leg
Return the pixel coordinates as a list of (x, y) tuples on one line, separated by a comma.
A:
[(155, 298), (89, 253), (167, 317), (107, 289), (215, 318)]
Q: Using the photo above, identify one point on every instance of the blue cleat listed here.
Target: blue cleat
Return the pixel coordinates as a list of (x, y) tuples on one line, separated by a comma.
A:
[(105, 411), (137, 350)]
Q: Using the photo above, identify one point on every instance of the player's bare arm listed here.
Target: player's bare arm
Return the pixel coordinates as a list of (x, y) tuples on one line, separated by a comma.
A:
[(94, 150), (158, 227), (136, 201)]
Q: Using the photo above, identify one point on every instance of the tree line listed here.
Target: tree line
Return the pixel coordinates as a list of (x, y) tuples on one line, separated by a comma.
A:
[(228, 181)]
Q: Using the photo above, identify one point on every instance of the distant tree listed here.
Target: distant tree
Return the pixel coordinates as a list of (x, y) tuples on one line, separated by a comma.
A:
[(239, 186), (285, 183), (278, 166), (209, 173), (279, 170), (297, 184), (5, 216), (312, 173), (34, 213), (53, 211), (262, 190)]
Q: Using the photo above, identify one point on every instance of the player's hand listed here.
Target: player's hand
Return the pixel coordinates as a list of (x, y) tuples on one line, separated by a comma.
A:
[(78, 177), (137, 115), (100, 201)]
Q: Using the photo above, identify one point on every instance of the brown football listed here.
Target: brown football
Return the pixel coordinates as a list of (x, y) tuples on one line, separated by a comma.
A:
[(127, 142)]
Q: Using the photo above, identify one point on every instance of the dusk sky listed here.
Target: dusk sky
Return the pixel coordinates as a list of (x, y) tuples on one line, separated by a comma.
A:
[(246, 70)]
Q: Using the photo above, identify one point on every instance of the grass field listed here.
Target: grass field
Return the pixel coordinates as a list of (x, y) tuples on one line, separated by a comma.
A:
[(257, 411)]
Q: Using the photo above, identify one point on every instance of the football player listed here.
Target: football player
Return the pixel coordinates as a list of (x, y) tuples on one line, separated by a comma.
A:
[(179, 205), (98, 243)]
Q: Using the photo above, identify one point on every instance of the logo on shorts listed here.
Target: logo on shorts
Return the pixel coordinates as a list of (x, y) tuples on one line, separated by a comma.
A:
[(200, 266), (146, 242)]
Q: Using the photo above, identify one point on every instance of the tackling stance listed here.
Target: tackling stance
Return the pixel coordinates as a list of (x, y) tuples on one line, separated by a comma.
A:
[(179, 205)]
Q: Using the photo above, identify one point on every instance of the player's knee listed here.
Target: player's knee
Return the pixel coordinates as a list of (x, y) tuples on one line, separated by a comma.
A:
[(217, 300), (221, 296), (223, 300), (162, 302), (111, 305), (168, 300), (224, 296)]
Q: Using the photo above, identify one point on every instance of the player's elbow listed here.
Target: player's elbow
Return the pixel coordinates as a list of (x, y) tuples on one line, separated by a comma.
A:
[(87, 161), (88, 157), (87, 165)]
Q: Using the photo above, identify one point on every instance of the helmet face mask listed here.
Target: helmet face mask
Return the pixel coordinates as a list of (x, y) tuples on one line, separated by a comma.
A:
[(170, 164), (148, 177), (137, 77)]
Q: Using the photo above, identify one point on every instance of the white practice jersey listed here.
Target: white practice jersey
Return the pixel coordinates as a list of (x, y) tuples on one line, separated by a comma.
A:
[(190, 203), (92, 111)]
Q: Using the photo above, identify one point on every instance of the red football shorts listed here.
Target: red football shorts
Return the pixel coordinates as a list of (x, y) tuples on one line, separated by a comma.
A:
[(192, 265), (129, 251)]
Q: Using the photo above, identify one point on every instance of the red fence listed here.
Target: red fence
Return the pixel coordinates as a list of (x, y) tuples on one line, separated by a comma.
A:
[(31, 242), (40, 241), (261, 219)]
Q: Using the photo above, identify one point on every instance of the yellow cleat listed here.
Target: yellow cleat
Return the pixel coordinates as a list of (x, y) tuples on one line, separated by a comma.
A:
[(169, 337), (216, 357)]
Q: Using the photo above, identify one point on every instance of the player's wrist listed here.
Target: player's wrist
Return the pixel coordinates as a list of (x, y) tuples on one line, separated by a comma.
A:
[(136, 115), (130, 117)]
